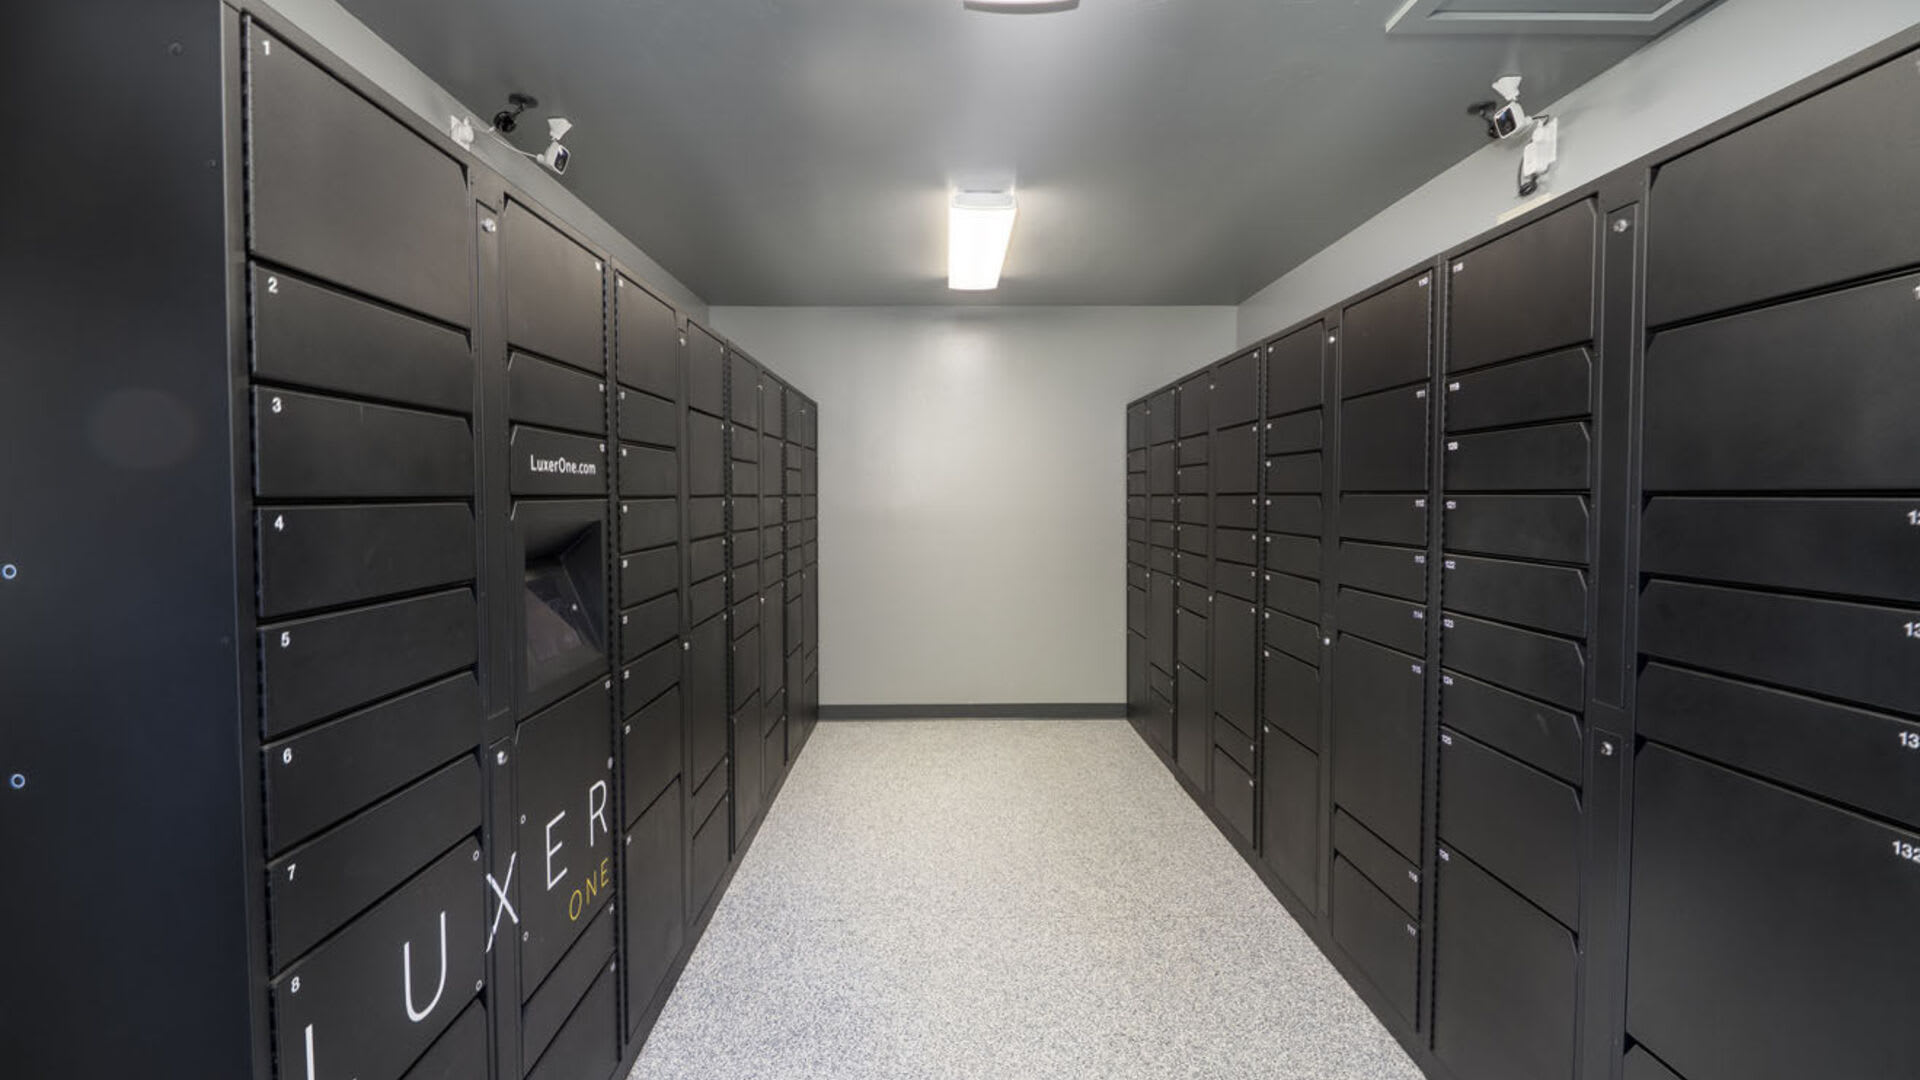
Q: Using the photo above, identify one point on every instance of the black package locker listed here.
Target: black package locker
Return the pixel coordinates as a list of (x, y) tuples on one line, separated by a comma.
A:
[(419, 705), (1165, 512), (362, 381), (1193, 579), (1518, 395), (1775, 825), (1296, 448), (746, 698), (1589, 726), (1233, 475), (648, 361), (1139, 697), (560, 483), (709, 560), (1380, 569)]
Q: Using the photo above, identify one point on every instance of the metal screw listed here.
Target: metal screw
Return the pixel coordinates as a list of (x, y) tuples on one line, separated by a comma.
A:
[(1621, 225), (11, 571), (1606, 748), (479, 985), (523, 819), (488, 225), (500, 758), (476, 855), (17, 781), (526, 935)]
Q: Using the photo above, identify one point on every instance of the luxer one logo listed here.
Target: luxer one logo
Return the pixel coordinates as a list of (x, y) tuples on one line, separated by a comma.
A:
[(562, 466)]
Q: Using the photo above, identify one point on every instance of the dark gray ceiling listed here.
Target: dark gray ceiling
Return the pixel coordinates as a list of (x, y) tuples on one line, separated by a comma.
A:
[(800, 151)]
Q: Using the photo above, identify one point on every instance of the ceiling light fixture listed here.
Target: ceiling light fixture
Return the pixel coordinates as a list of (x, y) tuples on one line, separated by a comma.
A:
[(1019, 7), (979, 227)]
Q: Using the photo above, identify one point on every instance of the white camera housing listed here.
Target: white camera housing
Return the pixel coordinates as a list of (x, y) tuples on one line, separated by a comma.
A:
[(556, 156), (1508, 120)]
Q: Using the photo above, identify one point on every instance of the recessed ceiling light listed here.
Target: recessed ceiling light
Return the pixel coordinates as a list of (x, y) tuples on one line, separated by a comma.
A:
[(1019, 7), (979, 227)]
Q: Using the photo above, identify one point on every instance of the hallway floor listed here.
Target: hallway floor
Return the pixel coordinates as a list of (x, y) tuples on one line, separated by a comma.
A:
[(1007, 900)]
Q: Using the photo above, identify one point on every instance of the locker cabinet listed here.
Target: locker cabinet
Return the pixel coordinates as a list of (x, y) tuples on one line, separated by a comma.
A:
[(1667, 539), (448, 673)]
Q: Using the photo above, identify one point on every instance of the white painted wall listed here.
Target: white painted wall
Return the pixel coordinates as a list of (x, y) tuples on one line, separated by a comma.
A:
[(972, 480), (1728, 58)]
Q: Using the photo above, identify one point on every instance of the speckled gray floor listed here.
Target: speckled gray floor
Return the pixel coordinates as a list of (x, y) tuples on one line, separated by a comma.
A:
[(1005, 900)]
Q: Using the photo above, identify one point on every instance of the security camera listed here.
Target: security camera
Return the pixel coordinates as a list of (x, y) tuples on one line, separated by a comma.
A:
[(556, 156), (1506, 121)]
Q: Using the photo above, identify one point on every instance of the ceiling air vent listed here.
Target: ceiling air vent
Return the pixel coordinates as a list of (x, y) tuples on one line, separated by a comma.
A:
[(1620, 18)]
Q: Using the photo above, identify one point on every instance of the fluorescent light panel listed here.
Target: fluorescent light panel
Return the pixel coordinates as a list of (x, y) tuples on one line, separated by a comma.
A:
[(979, 227)]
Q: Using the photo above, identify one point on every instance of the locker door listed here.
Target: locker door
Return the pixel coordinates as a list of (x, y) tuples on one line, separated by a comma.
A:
[(1760, 946), (1504, 981), (1378, 711), (1529, 291), (1386, 338), (1235, 629)]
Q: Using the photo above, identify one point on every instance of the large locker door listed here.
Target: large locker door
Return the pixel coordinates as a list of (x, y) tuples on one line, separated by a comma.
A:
[(1760, 947), (1378, 706), (1827, 180)]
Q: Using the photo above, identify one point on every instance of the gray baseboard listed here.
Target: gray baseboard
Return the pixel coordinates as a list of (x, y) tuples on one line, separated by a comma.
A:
[(1072, 711)]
